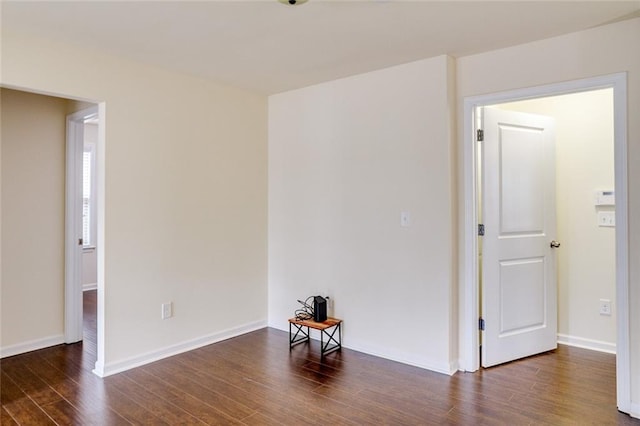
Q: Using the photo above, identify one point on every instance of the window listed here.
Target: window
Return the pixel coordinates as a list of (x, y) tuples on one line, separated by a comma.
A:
[(87, 202)]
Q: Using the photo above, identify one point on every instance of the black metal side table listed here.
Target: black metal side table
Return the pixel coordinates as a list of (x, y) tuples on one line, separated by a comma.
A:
[(329, 328)]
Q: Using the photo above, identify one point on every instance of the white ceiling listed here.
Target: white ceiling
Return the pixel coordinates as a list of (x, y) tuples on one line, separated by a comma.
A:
[(270, 47)]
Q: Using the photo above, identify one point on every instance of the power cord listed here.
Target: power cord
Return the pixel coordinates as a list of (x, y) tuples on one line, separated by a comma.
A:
[(306, 312)]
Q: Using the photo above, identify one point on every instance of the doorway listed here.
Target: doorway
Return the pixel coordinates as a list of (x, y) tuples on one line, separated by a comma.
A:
[(584, 259), (84, 218), (470, 292), (36, 184)]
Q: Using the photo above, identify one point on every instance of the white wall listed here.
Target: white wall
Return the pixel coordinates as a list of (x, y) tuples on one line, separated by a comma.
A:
[(586, 259), (598, 51), (345, 158), (185, 171), (32, 178)]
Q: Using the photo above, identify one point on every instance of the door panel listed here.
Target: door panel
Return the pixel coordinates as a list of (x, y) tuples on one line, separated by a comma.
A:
[(521, 158), (521, 295), (518, 264)]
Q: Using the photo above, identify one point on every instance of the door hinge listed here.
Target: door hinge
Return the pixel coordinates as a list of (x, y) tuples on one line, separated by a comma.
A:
[(79, 241), (481, 324), (480, 229), (480, 135)]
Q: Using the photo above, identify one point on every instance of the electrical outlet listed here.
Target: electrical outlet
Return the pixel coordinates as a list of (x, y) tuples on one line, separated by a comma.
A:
[(167, 310), (605, 307)]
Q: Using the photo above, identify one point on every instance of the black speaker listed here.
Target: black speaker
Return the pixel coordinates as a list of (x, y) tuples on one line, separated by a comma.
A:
[(319, 309)]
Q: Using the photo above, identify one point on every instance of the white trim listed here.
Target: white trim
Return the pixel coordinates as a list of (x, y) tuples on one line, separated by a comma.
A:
[(32, 345), (468, 293), (468, 303), (103, 370), (634, 410), (90, 286), (623, 362), (579, 342), (100, 234)]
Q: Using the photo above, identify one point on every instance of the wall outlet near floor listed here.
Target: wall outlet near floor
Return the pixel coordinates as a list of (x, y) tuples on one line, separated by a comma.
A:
[(605, 307), (167, 310)]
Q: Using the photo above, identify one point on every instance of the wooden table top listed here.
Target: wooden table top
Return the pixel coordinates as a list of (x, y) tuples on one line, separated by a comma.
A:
[(330, 322)]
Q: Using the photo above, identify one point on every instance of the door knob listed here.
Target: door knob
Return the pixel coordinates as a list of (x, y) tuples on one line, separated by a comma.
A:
[(555, 244)]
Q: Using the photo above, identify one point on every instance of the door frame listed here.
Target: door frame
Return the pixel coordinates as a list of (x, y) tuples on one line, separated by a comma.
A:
[(73, 319), (73, 225), (469, 285)]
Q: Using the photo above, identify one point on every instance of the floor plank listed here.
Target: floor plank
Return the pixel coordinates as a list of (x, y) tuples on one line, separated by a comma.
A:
[(5, 418), (254, 379), (19, 406)]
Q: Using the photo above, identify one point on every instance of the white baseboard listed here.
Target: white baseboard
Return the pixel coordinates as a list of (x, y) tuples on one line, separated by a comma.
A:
[(449, 368), (454, 367), (32, 345), (410, 359), (594, 345), (119, 366), (634, 410), (90, 286)]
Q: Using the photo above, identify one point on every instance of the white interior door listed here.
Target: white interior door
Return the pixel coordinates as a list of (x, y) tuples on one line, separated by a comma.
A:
[(519, 294)]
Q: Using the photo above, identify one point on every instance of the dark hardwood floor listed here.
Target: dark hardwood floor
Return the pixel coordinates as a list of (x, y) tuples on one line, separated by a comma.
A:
[(254, 379)]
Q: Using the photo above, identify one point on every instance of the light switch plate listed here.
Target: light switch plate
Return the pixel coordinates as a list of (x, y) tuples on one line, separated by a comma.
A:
[(607, 218), (167, 310), (405, 219)]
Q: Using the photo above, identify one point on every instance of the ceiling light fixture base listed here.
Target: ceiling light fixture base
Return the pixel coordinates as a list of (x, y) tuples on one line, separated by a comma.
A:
[(293, 2)]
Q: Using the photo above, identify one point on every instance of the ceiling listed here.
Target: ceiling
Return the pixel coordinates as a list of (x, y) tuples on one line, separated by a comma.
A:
[(271, 47)]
